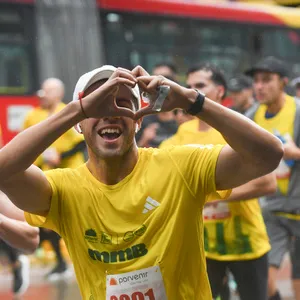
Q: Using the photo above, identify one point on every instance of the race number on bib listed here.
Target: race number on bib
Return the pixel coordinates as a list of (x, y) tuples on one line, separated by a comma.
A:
[(145, 284)]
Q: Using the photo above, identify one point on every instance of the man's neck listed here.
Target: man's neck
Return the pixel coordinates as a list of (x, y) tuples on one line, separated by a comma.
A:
[(113, 170), (276, 106)]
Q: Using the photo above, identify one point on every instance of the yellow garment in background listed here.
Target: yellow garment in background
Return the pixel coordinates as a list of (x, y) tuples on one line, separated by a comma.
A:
[(232, 231), (153, 217), (282, 125), (64, 143)]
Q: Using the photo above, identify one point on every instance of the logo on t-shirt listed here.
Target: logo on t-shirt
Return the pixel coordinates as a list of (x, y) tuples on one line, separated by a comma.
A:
[(91, 235), (129, 253), (150, 205)]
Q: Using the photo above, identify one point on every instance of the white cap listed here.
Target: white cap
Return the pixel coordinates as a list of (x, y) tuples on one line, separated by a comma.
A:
[(87, 79)]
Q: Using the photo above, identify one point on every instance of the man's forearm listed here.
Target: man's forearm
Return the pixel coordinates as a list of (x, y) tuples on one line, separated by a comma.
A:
[(34, 140), (251, 190), (243, 135), (19, 234)]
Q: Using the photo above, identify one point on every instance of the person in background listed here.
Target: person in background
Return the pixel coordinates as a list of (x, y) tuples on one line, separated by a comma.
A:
[(235, 236), (157, 128), (295, 83), (65, 152), (182, 116), (279, 113), (241, 93)]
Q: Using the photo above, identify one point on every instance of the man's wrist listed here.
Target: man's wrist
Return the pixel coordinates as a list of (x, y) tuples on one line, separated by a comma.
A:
[(75, 106), (190, 98)]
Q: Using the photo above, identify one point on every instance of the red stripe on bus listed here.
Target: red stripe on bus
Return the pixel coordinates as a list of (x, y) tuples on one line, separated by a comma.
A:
[(209, 12)]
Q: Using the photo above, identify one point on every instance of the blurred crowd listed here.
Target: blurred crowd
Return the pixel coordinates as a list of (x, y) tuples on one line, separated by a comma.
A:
[(242, 93)]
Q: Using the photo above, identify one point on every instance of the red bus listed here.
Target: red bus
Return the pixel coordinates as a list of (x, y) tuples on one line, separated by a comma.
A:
[(231, 35)]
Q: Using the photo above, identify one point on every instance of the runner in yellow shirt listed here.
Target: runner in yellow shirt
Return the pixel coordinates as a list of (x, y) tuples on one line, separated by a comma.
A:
[(279, 114), (65, 152), (235, 236), (131, 218)]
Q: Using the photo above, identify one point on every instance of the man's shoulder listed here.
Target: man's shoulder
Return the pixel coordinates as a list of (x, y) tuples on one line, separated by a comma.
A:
[(66, 174)]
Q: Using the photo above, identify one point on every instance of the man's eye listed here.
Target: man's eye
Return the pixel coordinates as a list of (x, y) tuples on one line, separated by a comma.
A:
[(124, 103), (200, 86)]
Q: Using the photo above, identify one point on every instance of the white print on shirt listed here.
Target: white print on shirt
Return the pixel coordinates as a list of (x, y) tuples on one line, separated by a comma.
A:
[(216, 211)]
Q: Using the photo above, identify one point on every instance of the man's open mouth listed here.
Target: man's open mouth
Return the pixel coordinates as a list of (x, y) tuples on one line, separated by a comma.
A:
[(110, 134)]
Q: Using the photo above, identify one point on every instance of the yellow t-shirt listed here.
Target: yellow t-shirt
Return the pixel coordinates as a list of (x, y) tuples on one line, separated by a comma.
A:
[(232, 231), (150, 218), (64, 143), (282, 125)]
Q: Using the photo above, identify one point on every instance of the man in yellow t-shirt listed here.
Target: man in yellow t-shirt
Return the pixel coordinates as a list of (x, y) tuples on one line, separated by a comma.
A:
[(130, 217), (65, 152), (235, 236), (279, 114)]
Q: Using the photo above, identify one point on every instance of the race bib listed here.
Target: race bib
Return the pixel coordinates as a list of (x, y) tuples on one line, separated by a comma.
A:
[(144, 284), (216, 211)]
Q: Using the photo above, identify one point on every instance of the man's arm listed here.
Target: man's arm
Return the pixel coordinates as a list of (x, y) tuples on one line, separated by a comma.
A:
[(26, 185), (19, 234), (256, 188), (251, 151), (13, 228)]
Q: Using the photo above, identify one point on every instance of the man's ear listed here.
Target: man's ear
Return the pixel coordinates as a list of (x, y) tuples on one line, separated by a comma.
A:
[(220, 91), (78, 128)]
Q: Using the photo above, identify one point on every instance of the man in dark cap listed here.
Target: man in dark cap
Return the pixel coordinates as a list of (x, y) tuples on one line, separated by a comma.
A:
[(279, 113), (241, 93)]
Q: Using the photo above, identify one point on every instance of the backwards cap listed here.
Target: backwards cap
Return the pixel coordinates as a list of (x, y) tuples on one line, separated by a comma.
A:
[(87, 79)]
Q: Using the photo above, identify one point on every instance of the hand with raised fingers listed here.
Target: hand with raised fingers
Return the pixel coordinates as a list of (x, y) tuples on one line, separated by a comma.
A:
[(102, 102), (177, 97)]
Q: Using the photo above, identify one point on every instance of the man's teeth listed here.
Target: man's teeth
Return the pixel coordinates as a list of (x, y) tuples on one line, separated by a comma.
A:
[(110, 130)]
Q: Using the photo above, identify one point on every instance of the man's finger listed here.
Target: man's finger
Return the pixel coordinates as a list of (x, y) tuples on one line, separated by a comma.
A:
[(140, 71), (124, 112), (126, 81), (144, 112), (123, 74)]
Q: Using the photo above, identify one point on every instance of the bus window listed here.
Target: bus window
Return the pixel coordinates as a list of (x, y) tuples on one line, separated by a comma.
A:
[(283, 43), (132, 39), (15, 56)]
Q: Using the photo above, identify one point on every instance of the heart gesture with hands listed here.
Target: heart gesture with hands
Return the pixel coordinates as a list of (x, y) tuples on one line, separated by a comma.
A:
[(102, 102)]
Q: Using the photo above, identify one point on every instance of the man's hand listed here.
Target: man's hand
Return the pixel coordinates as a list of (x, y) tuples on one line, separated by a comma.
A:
[(291, 151), (102, 102), (178, 97)]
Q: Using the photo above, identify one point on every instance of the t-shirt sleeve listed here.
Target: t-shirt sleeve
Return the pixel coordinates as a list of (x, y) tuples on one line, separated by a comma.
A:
[(53, 219), (197, 165)]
